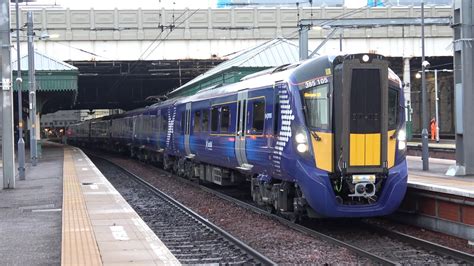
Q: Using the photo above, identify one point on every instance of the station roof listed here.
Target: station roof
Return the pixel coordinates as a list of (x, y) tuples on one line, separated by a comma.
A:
[(269, 54), (43, 63), (51, 74)]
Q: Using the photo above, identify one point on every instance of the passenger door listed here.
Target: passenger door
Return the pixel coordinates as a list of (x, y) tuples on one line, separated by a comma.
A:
[(187, 130), (242, 97), (259, 128)]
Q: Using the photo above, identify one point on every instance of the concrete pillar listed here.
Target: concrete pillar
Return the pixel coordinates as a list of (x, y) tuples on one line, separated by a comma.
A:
[(6, 101), (464, 90)]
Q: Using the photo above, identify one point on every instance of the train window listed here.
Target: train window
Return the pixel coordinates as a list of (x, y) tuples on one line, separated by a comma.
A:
[(214, 119), (258, 117), (276, 115), (225, 118), (317, 106), (183, 121), (205, 120), (164, 123), (145, 124), (197, 121), (154, 124), (392, 109)]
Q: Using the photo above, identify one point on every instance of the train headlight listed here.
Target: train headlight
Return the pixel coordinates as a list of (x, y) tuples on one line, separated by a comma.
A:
[(300, 138), (301, 141), (402, 145), (365, 58), (302, 147), (402, 135), (402, 139)]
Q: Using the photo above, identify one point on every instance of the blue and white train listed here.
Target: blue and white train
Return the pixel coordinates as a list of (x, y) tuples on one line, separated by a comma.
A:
[(321, 138)]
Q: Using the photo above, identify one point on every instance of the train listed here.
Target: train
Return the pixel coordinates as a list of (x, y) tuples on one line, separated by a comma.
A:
[(324, 137)]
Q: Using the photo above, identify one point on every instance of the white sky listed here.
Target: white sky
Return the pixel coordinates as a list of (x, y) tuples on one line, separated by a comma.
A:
[(128, 4)]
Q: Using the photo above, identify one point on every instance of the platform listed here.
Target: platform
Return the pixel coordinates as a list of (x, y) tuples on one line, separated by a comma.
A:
[(30, 214), (437, 201), (436, 179), (67, 212)]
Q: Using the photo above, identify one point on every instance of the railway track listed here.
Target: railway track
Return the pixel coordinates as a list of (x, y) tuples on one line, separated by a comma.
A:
[(190, 237), (435, 152), (378, 244), (366, 239), (393, 246)]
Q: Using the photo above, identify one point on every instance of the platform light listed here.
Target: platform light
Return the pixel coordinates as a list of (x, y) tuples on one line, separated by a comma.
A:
[(365, 58)]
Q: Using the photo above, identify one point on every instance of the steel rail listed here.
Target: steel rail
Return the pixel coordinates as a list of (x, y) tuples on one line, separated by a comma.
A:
[(243, 246), (255, 209), (460, 255), (456, 254), (430, 246), (297, 227)]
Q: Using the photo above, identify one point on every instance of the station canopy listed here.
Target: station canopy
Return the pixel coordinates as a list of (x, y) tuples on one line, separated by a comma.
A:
[(56, 82), (51, 74), (269, 54)]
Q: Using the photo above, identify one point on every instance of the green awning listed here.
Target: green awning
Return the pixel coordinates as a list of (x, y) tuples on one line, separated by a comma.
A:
[(50, 81), (51, 75)]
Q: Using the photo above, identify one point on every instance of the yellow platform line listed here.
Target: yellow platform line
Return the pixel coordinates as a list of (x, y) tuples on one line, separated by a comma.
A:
[(79, 246)]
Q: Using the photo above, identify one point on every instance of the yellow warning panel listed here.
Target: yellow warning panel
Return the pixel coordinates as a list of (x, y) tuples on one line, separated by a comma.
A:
[(372, 149), (391, 148), (323, 151), (357, 150)]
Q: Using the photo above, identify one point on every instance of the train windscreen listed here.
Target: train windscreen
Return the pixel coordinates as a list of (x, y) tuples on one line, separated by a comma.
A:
[(365, 103), (317, 107), (393, 107)]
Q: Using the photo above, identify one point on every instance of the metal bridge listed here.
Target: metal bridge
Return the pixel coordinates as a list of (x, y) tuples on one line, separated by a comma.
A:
[(123, 56), (107, 35)]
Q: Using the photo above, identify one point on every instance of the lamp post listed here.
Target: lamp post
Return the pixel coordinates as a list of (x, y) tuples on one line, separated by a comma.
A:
[(424, 104), (32, 90), (19, 81)]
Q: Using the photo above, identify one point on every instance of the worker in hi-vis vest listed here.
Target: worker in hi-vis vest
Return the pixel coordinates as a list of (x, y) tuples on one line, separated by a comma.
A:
[(433, 129)]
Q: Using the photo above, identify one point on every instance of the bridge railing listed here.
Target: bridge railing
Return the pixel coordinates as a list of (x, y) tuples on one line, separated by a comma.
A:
[(221, 24)]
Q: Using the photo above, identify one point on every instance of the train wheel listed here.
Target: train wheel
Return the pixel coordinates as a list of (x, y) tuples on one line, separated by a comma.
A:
[(295, 218), (167, 163), (188, 169)]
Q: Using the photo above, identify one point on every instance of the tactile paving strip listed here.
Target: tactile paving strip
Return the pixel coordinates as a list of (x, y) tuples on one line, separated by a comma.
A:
[(79, 246)]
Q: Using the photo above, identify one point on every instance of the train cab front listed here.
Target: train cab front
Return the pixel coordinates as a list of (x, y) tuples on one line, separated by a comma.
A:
[(358, 141)]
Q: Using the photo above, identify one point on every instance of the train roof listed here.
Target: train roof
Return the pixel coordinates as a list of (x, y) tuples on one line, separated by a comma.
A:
[(297, 72), (265, 78), (292, 73)]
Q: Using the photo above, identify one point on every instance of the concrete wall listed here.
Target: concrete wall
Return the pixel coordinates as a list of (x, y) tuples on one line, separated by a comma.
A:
[(446, 102), (200, 34)]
